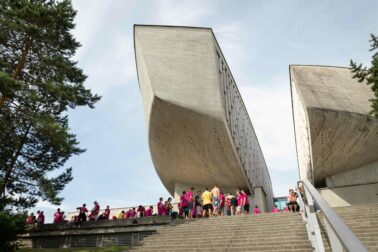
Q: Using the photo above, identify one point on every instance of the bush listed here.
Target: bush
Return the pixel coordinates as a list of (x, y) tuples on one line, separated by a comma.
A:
[(11, 225)]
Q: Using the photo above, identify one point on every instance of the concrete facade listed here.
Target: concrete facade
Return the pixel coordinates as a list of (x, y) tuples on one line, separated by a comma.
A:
[(336, 137), (199, 130)]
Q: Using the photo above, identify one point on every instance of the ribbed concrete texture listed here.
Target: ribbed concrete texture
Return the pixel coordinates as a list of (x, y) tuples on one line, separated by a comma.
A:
[(336, 137), (199, 131), (266, 232), (362, 220)]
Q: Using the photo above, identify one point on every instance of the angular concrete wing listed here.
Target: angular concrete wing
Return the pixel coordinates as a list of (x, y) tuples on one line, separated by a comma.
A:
[(199, 130), (336, 137)]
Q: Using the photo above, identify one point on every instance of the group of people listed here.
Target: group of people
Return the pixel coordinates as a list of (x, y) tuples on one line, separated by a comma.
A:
[(39, 219), (207, 203)]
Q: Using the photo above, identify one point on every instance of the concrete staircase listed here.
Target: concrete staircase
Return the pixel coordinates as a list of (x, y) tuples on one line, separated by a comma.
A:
[(265, 232), (362, 220)]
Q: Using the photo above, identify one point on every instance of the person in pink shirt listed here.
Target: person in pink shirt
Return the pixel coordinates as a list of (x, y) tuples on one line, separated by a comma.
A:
[(141, 210), (240, 198), (256, 210), (82, 213), (222, 202), (132, 213), (160, 207), (275, 210), (149, 211), (190, 199), (62, 217), (57, 216), (246, 201), (184, 204)]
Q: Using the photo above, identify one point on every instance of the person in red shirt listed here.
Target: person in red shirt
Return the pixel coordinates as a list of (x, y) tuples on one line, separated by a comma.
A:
[(149, 212), (246, 201), (82, 213), (107, 213), (57, 216), (41, 218), (160, 207), (95, 211), (31, 219), (61, 217)]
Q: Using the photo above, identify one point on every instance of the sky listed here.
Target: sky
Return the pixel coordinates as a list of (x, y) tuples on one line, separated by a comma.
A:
[(259, 40)]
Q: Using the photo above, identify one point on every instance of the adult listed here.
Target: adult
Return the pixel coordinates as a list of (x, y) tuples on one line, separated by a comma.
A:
[(160, 207), (131, 213), (184, 204), (122, 215), (197, 204), (94, 211), (215, 192), (82, 213), (168, 206), (222, 202), (62, 217), (141, 211), (149, 212), (292, 201), (246, 201), (190, 199), (41, 218), (207, 200), (234, 204), (241, 202), (57, 216), (275, 210), (106, 213), (31, 219)]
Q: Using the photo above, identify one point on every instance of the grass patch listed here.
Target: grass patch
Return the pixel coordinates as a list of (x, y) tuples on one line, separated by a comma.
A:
[(106, 249)]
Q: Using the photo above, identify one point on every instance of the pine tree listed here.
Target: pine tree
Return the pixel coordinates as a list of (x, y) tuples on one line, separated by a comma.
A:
[(39, 82), (369, 74)]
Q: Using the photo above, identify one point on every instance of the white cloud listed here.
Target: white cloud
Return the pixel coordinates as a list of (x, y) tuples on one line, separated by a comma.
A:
[(269, 106)]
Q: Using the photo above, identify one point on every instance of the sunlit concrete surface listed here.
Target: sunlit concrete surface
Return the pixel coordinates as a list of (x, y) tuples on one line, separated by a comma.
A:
[(199, 130), (336, 137)]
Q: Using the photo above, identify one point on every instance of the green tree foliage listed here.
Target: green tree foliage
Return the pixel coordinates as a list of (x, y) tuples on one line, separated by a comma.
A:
[(39, 82), (369, 74), (11, 226)]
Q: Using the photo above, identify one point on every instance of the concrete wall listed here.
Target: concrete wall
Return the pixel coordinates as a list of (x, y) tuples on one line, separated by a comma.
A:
[(350, 195), (336, 137), (199, 130), (94, 233)]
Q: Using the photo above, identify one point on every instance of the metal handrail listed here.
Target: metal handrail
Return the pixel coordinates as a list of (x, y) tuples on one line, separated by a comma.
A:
[(312, 225), (347, 238)]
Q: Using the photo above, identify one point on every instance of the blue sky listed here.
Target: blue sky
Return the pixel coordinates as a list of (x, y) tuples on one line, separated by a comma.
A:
[(259, 39)]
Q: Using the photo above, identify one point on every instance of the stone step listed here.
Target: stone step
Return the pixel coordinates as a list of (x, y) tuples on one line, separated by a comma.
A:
[(229, 247), (225, 237), (224, 250), (226, 227)]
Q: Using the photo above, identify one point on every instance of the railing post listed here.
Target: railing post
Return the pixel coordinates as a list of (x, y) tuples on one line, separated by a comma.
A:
[(312, 225)]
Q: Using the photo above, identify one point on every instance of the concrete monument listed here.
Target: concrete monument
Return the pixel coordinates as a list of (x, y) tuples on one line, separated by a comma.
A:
[(199, 130), (336, 137)]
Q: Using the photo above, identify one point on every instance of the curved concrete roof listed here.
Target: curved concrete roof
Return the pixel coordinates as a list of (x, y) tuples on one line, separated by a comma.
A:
[(334, 131), (199, 130)]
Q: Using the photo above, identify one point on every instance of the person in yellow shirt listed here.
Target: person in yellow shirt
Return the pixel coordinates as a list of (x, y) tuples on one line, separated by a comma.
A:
[(207, 200), (121, 215)]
